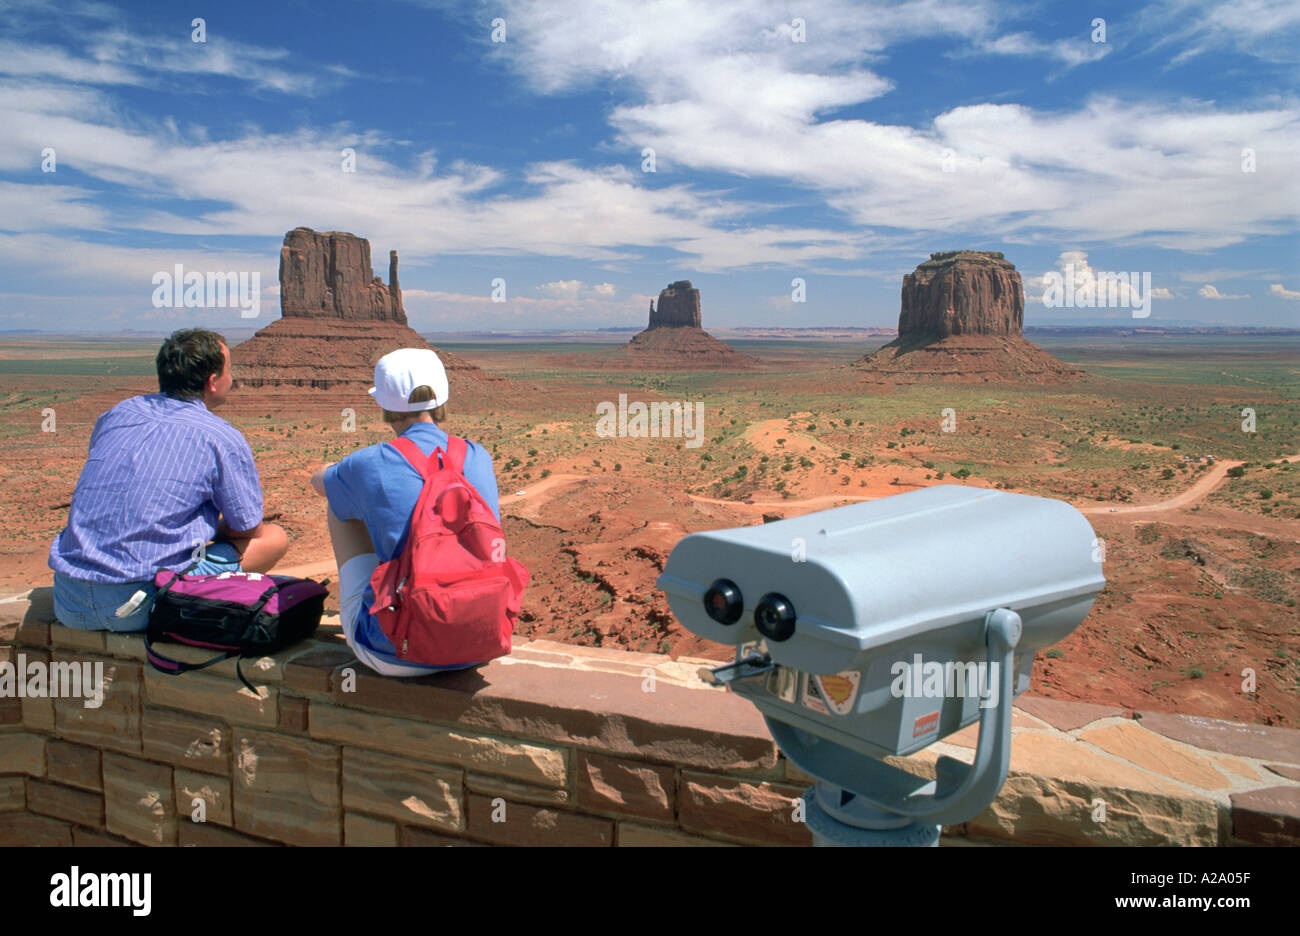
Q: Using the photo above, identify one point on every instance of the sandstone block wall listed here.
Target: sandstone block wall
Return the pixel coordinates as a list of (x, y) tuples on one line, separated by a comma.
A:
[(554, 745)]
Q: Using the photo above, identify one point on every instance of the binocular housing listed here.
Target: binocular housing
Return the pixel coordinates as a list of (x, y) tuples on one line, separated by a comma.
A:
[(867, 625)]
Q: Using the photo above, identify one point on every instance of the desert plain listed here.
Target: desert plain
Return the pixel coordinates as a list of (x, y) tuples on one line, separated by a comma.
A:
[(1183, 450)]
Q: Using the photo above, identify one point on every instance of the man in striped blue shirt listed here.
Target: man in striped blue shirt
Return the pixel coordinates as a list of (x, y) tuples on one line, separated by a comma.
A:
[(164, 477)]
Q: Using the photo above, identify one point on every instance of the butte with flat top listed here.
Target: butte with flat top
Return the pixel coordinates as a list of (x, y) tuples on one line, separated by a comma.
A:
[(675, 340), (961, 320), (337, 320)]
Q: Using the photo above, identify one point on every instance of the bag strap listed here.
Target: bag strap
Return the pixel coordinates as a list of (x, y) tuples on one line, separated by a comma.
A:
[(168, 665), (414, 457), (457, 450), (175, 667)]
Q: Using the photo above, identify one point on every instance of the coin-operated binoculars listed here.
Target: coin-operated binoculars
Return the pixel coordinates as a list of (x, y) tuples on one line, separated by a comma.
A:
[(879, 628)]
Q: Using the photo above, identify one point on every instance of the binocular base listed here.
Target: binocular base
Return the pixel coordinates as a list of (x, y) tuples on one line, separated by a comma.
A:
[(830, 830)]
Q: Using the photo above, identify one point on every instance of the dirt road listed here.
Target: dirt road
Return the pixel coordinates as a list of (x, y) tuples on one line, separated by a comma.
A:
[(1207, 484)]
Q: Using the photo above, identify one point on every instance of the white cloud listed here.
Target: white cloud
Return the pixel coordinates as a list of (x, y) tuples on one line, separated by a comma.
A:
[(1070, 52), (1164, 173), (1266, 29), (268, 183), (1277, 289), (561, 289), (1210, 291), (1079, 278), (111, 55), (604, 289), (48, 207)]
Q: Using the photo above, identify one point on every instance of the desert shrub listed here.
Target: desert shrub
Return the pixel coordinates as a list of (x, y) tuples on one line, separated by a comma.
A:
[(1237, 471)]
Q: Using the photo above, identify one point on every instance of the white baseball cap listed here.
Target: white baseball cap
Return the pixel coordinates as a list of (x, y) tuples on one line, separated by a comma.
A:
[(399, 372)]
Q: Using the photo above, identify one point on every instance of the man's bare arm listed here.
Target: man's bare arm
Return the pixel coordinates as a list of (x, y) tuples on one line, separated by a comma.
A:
[(318, 480)]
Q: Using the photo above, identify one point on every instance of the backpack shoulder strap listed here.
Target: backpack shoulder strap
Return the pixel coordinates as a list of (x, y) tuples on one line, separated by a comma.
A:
[(456, 452), (411, 452)]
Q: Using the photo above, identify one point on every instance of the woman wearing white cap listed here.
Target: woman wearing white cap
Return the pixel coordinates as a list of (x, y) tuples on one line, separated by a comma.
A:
[(372, 494)]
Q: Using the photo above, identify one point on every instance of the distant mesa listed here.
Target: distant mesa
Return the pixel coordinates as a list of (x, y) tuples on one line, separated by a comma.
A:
[(337, 320), (329, 276), (679, 306), (674, 339), (961, 319)]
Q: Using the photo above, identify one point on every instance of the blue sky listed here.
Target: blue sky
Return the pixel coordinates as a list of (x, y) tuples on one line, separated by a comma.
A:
[(837, 142)]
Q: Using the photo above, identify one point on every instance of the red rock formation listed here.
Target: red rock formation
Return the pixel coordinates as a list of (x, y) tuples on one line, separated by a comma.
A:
[(962, 292), (329, 276), (337, 320), (961, 319), (679, 306), (682, 348), (674, 339)]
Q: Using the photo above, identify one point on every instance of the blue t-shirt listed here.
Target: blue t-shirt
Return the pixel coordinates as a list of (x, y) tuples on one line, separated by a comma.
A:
[(379, 487)]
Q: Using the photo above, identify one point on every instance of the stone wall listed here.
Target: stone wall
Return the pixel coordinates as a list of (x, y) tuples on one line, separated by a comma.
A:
[(554, 745)]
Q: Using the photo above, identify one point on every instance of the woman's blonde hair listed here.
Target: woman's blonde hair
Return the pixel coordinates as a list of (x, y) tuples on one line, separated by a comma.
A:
[(421, 394)]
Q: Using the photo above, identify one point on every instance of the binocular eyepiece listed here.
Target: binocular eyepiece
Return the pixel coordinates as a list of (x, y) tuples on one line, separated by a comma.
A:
[(774, 615)]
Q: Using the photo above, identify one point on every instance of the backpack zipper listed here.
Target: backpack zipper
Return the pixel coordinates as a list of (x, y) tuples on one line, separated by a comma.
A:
[(397, 597)]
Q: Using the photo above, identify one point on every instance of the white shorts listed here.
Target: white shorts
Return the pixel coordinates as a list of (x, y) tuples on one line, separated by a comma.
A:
[(354, 576)]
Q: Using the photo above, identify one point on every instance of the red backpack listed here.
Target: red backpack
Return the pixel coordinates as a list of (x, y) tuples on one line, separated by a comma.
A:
[(451, 596)]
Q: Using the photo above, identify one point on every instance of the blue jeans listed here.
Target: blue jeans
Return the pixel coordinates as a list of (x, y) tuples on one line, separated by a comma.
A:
[(86, 605)]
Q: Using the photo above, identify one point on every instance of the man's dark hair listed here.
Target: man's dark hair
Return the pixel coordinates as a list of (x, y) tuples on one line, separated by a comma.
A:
[(186, 360)]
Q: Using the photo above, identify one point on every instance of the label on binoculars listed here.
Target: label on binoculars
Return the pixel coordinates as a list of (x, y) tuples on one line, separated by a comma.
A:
[(831, 694)]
